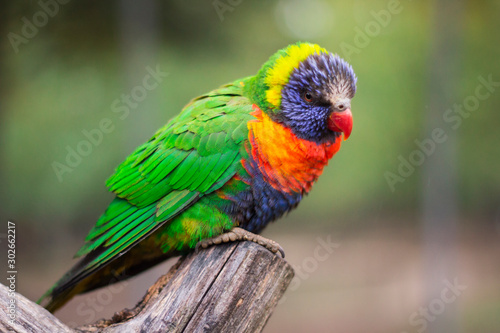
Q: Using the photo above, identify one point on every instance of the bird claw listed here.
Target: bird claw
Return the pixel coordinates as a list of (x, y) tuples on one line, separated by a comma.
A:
[(202, 244), (239, 234), (281, 251)]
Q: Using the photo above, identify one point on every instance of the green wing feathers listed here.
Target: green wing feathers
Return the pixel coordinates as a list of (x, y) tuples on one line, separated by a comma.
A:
[(188, 158), (195, 154)]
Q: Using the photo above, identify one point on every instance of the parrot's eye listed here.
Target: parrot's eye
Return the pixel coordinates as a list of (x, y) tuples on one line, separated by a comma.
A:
[(341, 107), (308, 97)]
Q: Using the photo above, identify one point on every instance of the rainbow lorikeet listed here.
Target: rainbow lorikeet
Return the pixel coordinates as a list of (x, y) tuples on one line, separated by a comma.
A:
[(232, 161)]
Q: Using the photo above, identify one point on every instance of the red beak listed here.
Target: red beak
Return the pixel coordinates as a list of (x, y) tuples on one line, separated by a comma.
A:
[(341, 122)]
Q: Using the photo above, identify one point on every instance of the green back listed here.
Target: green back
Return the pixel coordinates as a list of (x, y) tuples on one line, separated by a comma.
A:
[(195, 154)]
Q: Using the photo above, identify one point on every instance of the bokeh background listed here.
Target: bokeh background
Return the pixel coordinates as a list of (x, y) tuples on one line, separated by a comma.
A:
[(408, 210)]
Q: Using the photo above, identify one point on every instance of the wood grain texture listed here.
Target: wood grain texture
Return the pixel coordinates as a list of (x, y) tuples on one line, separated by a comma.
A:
[(226, 288), (29, 316)]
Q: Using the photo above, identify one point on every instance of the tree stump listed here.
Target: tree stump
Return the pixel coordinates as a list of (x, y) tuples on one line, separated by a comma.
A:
[(226, 288)]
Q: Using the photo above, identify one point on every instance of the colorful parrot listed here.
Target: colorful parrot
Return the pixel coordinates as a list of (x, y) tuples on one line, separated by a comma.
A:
[(232, 161)]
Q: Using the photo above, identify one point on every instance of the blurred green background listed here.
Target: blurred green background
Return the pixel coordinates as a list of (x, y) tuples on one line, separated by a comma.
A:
[(402, 230)]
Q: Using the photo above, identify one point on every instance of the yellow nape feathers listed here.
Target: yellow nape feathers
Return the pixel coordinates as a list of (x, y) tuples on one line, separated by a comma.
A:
[(277, 76)]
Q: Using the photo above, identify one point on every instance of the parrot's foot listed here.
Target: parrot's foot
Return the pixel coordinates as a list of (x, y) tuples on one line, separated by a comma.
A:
[(239, 234)]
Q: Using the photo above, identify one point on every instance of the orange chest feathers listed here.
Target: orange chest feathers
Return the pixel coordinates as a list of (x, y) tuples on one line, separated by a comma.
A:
[(285, 161)]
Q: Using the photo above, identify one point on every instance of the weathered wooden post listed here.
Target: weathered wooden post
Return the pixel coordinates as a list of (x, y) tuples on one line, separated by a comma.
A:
[(226, 288)]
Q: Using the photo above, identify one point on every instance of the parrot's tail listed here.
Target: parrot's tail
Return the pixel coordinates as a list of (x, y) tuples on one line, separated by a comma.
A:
[(121, 269), (53, 302), (67, 286)]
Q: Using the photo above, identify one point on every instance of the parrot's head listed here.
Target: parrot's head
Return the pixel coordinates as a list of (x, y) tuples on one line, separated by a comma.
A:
[(309, 90)]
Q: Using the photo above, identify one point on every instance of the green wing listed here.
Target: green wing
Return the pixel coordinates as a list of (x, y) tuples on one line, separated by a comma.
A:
[(195, 154)]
